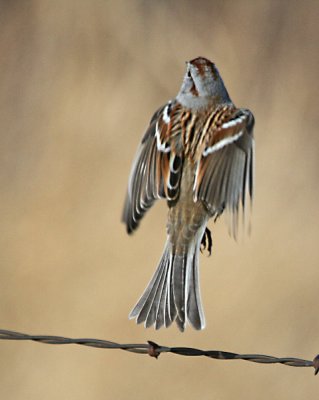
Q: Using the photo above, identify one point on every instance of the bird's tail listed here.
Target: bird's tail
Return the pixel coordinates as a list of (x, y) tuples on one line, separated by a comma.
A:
[(173, 293)]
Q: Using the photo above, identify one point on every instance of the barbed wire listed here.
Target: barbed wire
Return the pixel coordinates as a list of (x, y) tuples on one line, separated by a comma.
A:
[(154, 350)]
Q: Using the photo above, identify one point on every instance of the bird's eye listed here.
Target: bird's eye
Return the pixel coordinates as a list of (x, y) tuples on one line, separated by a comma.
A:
[(189, 74)]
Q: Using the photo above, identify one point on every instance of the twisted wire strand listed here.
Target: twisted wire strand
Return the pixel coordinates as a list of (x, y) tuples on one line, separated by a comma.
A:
[(154, 350)]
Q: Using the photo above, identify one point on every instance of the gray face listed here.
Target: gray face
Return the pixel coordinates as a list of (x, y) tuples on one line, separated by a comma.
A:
[(202, 85)]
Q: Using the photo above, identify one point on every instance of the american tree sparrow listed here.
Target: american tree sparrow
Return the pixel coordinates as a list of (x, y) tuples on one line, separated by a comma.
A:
[(197, 154)]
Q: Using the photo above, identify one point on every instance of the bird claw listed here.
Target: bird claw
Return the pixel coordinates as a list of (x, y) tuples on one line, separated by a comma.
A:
[(207, 242)]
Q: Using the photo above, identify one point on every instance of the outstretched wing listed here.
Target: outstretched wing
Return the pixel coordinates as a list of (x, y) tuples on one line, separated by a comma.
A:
[(225, 172), (155, 172)]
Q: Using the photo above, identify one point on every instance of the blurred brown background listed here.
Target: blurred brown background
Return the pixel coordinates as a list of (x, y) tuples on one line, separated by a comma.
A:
[(79, 82)]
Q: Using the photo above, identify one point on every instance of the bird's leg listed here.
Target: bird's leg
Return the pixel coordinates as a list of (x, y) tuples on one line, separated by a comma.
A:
[(219, 212)]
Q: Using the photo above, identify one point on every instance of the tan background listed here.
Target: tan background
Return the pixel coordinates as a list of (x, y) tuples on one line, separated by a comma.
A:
[(79, 82)]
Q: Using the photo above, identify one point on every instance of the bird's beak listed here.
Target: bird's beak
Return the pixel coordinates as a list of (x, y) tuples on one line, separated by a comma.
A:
[(188, 70)]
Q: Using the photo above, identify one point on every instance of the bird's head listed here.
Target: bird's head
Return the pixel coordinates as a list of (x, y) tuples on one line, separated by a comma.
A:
[(202, 85)]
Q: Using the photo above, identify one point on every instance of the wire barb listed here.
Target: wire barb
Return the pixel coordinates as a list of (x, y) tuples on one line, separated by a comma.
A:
[(154, 350)]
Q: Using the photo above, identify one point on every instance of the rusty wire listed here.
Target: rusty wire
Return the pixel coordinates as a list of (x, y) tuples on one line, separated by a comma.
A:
[(154, 350)]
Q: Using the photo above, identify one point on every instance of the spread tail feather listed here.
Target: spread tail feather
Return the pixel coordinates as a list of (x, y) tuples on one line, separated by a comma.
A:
[(173, 293)]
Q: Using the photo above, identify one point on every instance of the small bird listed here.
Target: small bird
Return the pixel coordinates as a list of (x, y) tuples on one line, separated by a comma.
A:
[(197, 153)]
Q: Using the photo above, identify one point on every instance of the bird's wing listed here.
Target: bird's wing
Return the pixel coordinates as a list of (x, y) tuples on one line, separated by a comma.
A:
[(224, 175), (155, 173)]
